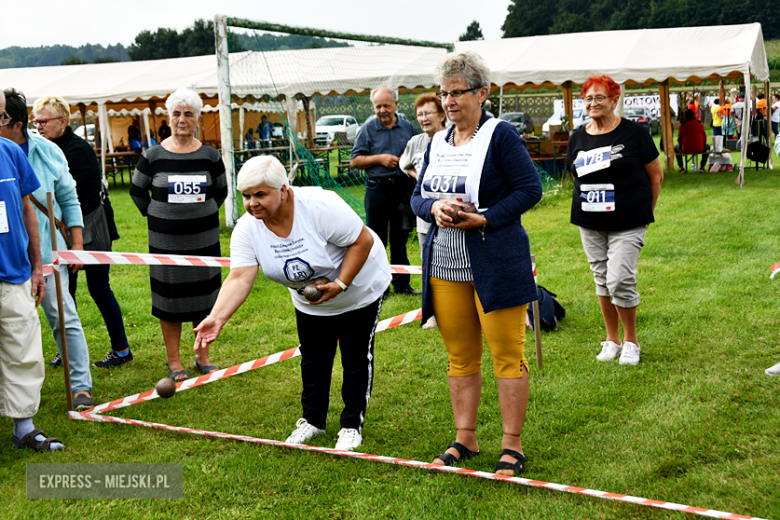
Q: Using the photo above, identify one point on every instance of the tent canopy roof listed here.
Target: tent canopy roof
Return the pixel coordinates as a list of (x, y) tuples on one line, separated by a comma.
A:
[(640, 56)]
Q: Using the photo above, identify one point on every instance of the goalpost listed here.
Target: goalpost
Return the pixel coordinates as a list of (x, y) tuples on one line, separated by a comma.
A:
[(271, 98)]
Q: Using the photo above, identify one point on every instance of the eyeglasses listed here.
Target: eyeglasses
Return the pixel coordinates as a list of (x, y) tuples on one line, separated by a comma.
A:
[(5, 122), (597, 99), (42, 122), (427, 114), (455, 93)]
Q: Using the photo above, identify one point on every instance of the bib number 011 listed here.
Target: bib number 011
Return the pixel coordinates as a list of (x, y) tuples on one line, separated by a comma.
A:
[(597, 197)]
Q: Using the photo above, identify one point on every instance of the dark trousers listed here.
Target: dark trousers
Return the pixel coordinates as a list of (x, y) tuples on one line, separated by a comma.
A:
[(383, 197), (353, 333), (100, 290), (704, 156)]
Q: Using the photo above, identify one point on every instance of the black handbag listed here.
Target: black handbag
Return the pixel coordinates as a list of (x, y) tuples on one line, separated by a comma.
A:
[(758, 152)]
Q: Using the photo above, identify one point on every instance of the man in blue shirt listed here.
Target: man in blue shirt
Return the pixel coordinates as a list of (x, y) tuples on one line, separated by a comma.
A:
[(378, 147), (21, 288)]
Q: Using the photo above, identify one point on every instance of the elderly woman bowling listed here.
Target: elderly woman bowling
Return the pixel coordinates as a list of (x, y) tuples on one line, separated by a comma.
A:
[(476, 182), (297, 235)]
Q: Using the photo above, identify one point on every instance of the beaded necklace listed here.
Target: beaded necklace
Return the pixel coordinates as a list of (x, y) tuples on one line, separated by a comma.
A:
[(451, 140)]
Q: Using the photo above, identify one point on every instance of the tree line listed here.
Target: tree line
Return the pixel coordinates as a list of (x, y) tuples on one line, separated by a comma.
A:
[(533, 18)]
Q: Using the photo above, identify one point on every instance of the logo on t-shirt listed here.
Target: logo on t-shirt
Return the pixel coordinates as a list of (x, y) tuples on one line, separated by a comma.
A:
[(297, 270)]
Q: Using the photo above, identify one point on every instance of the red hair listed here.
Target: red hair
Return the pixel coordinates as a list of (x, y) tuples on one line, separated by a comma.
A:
[(426, 98), (613, 89)]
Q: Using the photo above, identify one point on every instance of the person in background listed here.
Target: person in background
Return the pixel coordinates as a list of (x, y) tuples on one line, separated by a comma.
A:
[(431, 117), (21, 289), (164, 132), (51, 169), (51, 115), (692, 140), (297, 235), (377, 149), (250, 139), (717, 118), (728, 127), (468, 265), (760, 106), (617, 181), (775, 116), (265, 131), (134, 139), (179, 186)]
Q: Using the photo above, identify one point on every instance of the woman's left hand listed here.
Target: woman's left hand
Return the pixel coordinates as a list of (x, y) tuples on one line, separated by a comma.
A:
[(329, 291), (469, 221)]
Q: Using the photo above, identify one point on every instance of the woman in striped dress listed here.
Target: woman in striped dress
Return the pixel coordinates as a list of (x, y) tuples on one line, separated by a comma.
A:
[(179, 186)]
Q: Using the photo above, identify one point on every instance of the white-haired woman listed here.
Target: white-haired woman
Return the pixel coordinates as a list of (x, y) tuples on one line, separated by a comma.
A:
[(477, 276), (179, 186), (298, 235)]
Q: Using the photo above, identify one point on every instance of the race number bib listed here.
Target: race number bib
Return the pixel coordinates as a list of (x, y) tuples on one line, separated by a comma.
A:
[(597, 197), (186, 189), (3, 218), (593, 160), (442, 186)]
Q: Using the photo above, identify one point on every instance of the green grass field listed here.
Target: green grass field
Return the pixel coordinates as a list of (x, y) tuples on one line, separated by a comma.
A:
[(696, 422)]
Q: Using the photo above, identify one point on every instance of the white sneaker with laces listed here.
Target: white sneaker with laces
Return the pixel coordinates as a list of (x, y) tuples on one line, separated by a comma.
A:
[(773, 371), (630, 355), (349, 439), (303, 432), (430, 324), (609, 351)]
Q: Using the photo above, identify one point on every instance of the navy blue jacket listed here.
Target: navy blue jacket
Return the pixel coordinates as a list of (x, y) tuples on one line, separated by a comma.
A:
[(501, 263)]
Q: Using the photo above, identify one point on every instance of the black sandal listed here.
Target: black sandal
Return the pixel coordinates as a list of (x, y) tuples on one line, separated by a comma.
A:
[(517, 466), (28, 441), (465, 454)]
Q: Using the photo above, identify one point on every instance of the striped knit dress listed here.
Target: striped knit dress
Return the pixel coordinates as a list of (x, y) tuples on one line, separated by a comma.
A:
[(184, 222)]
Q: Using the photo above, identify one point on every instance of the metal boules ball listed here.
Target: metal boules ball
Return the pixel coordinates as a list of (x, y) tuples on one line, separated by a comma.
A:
[(466, 207), (311, 293), (166, 387)]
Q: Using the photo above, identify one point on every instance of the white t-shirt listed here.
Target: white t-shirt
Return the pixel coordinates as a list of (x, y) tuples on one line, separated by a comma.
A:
[(776, 112), (324, 226)]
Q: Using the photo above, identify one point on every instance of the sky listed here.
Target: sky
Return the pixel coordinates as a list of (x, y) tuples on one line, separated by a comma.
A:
[(107, 22)]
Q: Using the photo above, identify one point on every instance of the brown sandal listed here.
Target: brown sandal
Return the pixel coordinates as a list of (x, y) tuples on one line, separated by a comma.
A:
[(28, 441)]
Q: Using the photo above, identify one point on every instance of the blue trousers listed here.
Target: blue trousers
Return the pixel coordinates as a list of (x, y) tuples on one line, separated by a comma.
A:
[(78, 353), (100, 290)]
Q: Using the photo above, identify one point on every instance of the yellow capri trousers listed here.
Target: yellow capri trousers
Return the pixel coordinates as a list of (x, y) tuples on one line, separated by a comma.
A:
[(462, 321)]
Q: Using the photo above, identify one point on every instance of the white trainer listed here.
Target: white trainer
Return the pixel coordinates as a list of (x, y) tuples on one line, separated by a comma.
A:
[(630, 355), (349, 439), (609, 351), (303, 432), (773, 371), (430, 324)]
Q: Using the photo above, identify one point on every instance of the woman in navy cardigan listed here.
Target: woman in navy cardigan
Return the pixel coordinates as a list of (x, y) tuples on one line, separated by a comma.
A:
[(476, 182)]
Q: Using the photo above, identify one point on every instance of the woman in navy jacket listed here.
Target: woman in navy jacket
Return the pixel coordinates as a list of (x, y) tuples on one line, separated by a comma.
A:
[(476, 182)]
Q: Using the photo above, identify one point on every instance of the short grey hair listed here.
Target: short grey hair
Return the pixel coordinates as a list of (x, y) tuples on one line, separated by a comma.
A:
[(467, 65), (184, 96), (392, 92), (262, 169)]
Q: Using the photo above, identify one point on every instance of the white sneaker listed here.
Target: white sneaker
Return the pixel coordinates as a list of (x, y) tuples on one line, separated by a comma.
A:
[(303, 432), (773, 371), (609, 351), (349, 439), (430, 324), (630, 355)]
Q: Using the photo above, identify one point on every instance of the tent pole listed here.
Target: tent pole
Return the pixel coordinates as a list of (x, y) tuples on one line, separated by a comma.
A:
[(225, 116), (568, 100), (768, 124), (666, 124), (745, 129), (148, 133), (241, 124), (501, 101), (621, 100), (104, 137), (153, 110), (83, 109)]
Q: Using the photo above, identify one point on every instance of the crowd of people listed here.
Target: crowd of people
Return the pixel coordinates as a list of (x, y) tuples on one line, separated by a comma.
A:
[(465, 186)]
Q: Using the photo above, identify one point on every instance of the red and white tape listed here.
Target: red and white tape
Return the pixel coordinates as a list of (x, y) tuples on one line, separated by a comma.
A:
[(711, 513), (112, 257), (775, 269), (239, 369)]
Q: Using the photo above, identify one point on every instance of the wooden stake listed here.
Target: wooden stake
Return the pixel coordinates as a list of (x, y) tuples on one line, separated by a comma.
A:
[(57, 281), (537, 324)]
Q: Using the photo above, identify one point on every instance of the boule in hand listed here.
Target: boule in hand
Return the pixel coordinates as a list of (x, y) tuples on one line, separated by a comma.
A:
[(311, 293), (466, 207)]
